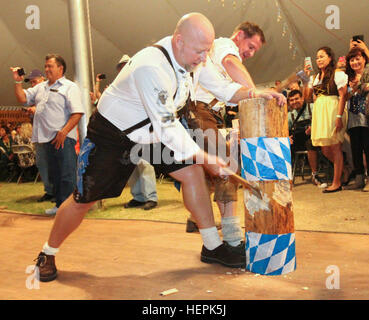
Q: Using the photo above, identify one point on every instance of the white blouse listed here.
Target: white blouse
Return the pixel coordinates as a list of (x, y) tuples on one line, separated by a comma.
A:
[(340, 79)]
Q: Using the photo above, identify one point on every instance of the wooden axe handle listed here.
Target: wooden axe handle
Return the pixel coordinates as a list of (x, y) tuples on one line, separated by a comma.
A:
[(245, 183)]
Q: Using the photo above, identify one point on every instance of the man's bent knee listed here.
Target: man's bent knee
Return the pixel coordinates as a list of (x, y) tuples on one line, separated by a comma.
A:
[(188, 174)]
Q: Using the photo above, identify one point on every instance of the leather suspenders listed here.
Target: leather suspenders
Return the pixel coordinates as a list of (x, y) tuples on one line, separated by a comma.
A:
[(147, 120)]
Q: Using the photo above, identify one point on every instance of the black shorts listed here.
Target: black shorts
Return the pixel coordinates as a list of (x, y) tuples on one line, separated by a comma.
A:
[(105, 163)]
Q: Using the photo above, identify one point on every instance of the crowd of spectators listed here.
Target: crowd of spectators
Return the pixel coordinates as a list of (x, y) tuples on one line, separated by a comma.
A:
[(331, 110)]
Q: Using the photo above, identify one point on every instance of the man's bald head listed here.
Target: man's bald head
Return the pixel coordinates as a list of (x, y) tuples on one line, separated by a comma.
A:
[(192, 40), (195, 25)]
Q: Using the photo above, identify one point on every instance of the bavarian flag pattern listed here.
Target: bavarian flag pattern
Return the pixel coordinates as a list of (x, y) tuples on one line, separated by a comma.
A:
[(269, 254), (82, 162), (266, 159)]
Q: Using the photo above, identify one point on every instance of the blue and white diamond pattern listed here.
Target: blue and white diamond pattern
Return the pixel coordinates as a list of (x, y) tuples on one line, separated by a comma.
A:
[(270, 254), (266, 159)]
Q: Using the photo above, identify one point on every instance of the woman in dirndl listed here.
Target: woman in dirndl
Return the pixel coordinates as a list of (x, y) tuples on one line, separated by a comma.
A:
[(329, 116)]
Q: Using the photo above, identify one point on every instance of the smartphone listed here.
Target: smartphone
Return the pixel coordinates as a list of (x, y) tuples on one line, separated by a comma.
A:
[(308, 63), (358, 37), (21, 72), (102, 76)]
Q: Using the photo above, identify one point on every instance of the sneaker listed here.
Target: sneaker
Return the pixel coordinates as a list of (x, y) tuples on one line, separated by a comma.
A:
[(223, 255), (46, 267), (133, 204), (150, 205), (318, 182), (46, 197), (240, 249), (52, 211)]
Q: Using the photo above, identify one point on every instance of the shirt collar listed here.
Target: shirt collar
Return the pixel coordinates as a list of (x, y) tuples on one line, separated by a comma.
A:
[(60, 81)]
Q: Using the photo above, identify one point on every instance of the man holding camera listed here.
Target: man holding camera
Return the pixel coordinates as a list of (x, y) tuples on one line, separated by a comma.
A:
[(34, 78), (58, 110), (299, 125)]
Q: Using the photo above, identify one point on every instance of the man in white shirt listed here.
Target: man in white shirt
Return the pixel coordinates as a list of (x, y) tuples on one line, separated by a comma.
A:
[(58, 110), (138, 107), (227, 55), (34, 78)]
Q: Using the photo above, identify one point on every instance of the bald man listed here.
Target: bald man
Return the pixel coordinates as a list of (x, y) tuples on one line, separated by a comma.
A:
[(137, 110)]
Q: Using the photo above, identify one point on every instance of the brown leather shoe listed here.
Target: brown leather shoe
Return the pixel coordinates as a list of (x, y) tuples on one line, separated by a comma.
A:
[(46, 267), (191, 226)]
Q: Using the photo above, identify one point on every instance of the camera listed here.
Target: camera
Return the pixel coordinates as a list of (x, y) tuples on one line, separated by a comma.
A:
[(102, 76), (21, 72), (358, 37)]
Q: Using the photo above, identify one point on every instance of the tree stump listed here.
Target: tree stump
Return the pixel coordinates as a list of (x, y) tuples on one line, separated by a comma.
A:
[(266, 163)]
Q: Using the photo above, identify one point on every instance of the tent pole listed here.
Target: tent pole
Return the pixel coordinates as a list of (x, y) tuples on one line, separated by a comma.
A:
[(77, 21)]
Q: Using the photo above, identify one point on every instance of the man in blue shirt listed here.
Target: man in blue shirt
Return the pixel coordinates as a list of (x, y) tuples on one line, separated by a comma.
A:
[(58, 110)]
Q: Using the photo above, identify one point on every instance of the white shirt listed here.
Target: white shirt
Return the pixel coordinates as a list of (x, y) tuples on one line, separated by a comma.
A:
[(221, 48), (145, 88), (54, 105)]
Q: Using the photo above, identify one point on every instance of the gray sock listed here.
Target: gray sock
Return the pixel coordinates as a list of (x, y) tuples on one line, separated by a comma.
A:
[(232, 231)]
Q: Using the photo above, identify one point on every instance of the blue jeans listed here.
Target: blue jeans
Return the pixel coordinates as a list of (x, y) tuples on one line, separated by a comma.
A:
[(143, 182), (43, 167), (62, 169)]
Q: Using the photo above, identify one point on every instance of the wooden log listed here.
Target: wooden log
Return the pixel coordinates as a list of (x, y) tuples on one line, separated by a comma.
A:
[(264, 133)]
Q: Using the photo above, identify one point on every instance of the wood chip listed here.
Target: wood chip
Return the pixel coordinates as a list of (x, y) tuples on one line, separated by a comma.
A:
[(168, 292)]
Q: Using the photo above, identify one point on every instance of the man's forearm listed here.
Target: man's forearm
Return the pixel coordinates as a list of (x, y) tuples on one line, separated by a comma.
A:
[(72, 122), (242, 94), (19, 93), (238, 72)]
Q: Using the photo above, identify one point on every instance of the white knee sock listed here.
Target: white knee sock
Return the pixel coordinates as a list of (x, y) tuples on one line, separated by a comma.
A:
[(231, 230), (210, 238), (50, 251)]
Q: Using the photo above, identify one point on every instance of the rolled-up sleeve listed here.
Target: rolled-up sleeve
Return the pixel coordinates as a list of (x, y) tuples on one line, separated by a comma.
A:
[(30, 95), (223, 89), (157, 99), (74, 100)]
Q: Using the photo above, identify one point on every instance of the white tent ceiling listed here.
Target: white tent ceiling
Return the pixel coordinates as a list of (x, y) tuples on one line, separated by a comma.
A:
[(121, 26)]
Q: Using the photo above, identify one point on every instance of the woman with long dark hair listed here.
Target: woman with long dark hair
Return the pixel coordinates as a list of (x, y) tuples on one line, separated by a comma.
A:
[(358, 129), (329, 116)]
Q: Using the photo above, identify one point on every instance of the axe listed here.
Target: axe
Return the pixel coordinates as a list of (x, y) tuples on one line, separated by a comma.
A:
[(233, 176)]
